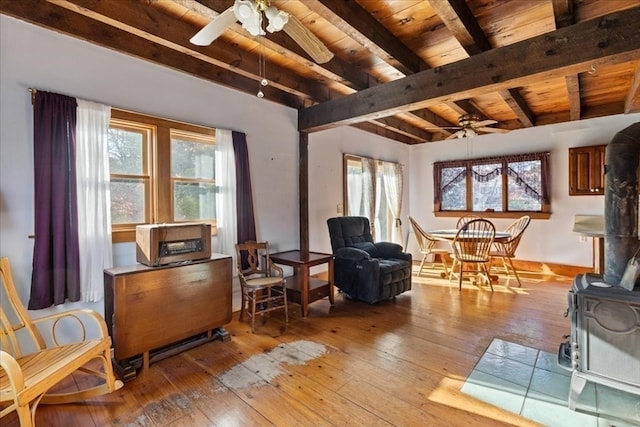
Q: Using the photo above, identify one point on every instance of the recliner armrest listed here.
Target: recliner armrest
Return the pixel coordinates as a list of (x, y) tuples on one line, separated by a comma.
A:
[(351, 253), (389, 250)]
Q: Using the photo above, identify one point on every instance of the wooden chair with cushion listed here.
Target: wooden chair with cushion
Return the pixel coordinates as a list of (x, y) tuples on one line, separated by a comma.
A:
[(428, 247), (471, 247), (262, 282), (506, 250), (32, 362)]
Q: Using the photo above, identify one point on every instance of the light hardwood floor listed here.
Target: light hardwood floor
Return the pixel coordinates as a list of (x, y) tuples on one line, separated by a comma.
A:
[(398, 363)]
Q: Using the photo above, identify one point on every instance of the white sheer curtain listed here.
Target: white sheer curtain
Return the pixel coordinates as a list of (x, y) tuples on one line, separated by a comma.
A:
[(369, 190), (226, 195), (392, 173), (94, 199), (354, 194)]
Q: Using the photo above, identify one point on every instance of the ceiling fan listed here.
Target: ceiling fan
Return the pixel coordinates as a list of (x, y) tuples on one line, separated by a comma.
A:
[(471, 125), (250, 14)]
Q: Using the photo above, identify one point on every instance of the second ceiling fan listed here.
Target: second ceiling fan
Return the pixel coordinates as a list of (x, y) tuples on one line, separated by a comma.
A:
[(250, 13), (471, 125)]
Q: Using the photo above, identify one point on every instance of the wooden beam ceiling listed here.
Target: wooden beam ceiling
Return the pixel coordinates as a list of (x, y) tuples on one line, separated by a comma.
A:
[(380, 78), (610, 39)]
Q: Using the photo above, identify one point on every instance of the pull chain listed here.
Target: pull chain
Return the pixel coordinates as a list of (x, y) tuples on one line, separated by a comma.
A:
[(262, 69)]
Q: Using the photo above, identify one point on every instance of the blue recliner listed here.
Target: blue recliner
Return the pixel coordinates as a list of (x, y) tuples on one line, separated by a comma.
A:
[(365, 270)]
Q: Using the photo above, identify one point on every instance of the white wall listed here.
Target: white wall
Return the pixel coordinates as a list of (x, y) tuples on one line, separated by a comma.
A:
[(32, 57), (545, 240)]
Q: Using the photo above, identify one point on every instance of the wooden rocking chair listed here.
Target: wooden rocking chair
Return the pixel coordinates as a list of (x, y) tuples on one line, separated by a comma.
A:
[(30, 365)]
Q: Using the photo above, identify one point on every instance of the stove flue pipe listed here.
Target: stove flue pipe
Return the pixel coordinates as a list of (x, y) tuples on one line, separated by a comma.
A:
[(621, 202)]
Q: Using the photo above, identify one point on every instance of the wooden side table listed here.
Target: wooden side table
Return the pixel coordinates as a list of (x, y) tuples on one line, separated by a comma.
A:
[(301, 288)]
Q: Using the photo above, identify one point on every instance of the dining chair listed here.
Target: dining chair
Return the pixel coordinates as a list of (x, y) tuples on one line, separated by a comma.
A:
[(429, 247), (471, 247), (506, 250), (465, 219), (262, 282)]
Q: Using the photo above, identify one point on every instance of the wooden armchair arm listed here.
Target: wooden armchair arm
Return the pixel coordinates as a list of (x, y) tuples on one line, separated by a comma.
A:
[(13, 370), (277, 268), (81, 316)]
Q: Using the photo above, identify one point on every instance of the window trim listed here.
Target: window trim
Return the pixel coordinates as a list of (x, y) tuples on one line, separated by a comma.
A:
[(545, 211), (159, 164)]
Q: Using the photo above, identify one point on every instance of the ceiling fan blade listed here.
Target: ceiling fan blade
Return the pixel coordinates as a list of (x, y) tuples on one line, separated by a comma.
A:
[(492, 130), (307, 40), (442, 128), (213, 29), (483, 123), (458, 134)]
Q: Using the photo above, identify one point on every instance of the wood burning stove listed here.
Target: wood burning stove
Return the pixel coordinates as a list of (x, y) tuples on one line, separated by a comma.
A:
[(604, 345)]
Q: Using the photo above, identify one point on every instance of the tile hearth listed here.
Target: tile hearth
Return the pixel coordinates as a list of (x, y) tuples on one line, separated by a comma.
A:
[(528, 382)]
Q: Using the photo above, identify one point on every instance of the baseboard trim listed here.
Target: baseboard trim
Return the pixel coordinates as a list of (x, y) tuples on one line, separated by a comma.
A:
[(547, 268)]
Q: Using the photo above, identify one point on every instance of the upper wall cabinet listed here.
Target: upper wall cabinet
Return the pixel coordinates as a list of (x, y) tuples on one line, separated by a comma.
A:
[(586, 170)]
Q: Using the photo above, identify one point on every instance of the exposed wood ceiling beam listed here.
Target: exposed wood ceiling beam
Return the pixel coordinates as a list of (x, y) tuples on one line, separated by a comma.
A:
[(402, 127), (352, 19), (573, 91), (519, 106), (459, 19), (387, 132), (564, 16), (609, 39), (563, 12), (466, 106), (632, 103)]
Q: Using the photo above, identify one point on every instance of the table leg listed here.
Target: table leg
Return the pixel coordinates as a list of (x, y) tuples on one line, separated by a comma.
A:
[(304, 289), (330, 279)]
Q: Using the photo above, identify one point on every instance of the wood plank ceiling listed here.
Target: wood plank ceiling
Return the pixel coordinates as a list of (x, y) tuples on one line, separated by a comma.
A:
[(406, 70)]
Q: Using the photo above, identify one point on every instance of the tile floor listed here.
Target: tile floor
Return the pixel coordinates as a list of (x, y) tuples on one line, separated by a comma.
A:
[(528, 382)]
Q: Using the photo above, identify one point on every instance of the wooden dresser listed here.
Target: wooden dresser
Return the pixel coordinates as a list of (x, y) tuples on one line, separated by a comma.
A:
[(155, 312)]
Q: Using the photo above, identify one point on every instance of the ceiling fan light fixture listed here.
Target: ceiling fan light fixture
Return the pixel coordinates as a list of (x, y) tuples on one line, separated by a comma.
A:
[(277, 19), (247, 13)]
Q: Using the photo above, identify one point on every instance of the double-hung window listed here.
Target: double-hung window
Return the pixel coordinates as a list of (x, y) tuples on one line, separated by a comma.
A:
[(498, 186), (162, 171)]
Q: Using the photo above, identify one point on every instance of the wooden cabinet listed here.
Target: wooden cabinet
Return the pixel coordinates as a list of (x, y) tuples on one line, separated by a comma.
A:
[(155, 312), (586, 170)]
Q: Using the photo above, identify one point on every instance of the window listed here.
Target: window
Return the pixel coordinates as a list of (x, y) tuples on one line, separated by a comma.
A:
[(366, 194), (161, 171), (502, 186)]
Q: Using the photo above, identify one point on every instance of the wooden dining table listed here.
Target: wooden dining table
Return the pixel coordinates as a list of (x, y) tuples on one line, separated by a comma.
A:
[(449, 234)]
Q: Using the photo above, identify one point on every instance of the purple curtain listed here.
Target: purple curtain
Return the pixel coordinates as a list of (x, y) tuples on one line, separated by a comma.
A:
[(244, 198), (56, 267)]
